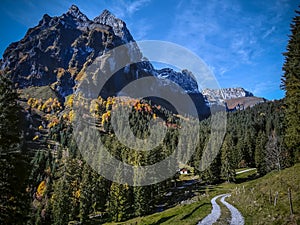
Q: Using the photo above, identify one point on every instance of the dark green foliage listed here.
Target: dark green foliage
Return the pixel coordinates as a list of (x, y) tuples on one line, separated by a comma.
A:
[(82, 194), (260, 154), (9, 114), (14, 202), (253, 138), (227, 159), (61, 206), (291, 84), (86, 189)]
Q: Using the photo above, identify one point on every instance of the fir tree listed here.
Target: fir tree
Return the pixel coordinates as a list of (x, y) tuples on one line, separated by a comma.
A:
[(260, 154), (227, 169), (13, 199), (118, 201), (85, 194), (291, 84), (60, 202)]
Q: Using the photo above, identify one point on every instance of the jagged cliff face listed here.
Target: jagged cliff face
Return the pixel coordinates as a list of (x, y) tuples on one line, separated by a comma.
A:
[(184, 78), (58, 51), (58, 48), (219, 95), (232, 98)]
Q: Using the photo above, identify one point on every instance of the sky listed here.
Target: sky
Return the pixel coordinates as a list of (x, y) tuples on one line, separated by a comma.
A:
[(241, 41)]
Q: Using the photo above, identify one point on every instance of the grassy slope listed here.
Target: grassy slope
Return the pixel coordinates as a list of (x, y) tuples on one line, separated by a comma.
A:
[(43, 92), (253, 198), (181, 215)]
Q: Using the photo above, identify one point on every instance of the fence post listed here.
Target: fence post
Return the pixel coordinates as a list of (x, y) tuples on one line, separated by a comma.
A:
[(290, 201), (276, 198)]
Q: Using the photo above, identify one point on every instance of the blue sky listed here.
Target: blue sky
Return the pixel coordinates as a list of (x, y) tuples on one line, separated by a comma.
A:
[(241, 41)]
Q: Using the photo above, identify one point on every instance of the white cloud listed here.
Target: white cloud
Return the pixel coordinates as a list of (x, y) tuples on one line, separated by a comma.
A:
[(225, 34), (140, 29), (125, 9), (269, 32), (136, 5), (261, 88)]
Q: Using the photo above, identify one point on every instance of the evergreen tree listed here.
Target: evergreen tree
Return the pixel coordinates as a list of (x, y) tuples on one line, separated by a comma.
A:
[(118, 201), (227, 169), (85, 194), (260, 154), (13, 199), (9, 115), (60, 202), (291, 84), (141, 195)]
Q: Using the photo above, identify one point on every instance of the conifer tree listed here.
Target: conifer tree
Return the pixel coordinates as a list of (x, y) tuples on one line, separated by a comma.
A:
[(60, 202), (13, 198), (85, 194), (118, 201), (260, 153), (118, 206), (141, 195), (227, 169), (291, 85)]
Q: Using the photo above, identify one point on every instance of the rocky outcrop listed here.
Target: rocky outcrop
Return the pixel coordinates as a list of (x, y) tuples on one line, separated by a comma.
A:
[(232, 99), (219, 95), (60, 49)]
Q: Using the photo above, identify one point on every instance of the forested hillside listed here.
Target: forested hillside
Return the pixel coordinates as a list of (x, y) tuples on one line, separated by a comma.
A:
[(47, 179), (63, 187)]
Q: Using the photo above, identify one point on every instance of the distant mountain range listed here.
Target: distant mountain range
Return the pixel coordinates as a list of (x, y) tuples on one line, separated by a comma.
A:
[(233, 98), (59, 49)]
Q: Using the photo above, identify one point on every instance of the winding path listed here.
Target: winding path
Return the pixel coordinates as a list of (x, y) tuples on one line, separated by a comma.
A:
[(245, 171), (236, 216)]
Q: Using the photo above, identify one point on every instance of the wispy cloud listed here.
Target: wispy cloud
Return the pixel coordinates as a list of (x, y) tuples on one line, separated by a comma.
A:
[(228, 35), (136, 5), (125, 9), (263, 88), (140, 29), (268, 32)]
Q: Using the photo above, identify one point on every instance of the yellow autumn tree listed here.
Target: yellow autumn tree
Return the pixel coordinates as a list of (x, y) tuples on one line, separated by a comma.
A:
[(41, 189)]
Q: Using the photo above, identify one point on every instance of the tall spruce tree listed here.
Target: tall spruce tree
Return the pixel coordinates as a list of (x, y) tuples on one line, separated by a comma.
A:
[(227, 169), (291, 84), (85, 194), (260, 153), (13, 200)]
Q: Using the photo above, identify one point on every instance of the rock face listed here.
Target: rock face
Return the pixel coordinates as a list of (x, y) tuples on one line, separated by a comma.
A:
[(232, 98), (184, 78), (58, 48), (216, 96), (58, 51)]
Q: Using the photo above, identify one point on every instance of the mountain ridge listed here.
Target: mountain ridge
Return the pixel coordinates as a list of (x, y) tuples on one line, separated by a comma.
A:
[(59, 50), (233, 98)]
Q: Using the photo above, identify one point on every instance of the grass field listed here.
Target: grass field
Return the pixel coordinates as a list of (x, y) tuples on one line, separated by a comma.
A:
[(181, 215), (255, 199)]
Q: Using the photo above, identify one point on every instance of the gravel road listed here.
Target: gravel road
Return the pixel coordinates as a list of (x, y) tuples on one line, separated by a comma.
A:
[(236, 216), (244, 171)]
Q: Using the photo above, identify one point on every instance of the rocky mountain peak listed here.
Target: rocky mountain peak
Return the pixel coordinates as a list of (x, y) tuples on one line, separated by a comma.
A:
[(60, 49), (233, 98), (75, 12), (225, 93), (118, 25)]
